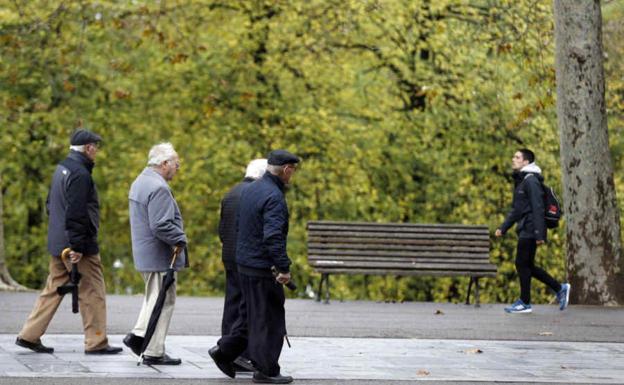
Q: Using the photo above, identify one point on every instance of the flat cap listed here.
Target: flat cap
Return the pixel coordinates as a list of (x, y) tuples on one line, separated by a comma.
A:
[(82, 136), (281, 157)]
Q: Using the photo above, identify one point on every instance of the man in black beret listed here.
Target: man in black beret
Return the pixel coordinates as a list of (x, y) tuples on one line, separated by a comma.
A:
[(73, 211), (261, 246)]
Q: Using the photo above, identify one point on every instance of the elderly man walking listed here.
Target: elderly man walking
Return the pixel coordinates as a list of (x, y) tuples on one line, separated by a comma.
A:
[(260, 248), (74, 214), (157, 228), (227, 233)]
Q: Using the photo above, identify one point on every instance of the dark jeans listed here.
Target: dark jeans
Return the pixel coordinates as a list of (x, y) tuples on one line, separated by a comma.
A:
[(525, 266)]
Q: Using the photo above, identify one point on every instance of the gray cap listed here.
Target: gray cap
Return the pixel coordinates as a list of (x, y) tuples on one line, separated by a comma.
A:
[(281, 157), (82, 136)]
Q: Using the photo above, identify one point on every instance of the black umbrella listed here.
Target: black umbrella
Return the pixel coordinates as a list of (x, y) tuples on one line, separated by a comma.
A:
[(72, 285), (168, 280)]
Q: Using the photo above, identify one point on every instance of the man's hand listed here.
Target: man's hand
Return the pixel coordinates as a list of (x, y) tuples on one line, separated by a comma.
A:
[(539, 242), (74, 256), (498, 233), (283, 278)]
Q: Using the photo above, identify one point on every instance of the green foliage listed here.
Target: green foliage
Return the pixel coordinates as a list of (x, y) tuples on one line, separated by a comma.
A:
[(403, 111)]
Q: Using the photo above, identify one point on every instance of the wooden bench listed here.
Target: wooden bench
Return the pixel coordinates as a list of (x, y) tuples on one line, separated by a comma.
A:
[(399, 249)]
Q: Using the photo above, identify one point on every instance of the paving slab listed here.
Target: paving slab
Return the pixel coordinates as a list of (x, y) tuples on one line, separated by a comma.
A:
[(344, 359)]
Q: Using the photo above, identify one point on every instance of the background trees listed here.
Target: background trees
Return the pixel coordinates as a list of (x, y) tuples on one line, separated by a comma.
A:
[(401, 110)]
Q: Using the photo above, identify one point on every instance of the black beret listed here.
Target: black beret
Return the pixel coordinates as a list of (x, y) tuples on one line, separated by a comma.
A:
[(81, 136), (281, 157)]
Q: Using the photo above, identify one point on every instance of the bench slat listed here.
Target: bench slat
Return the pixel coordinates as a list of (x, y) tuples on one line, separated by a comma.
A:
[(385, 246), (399, 241), (441, 273), (379, 224), (359, 234), (381, 254), (316, 259), (441, 265), (432, 230)]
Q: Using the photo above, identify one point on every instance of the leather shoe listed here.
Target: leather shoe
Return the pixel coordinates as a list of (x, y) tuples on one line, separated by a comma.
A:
[(243, 365), (260, 378), (37, 347), (134, 342), (222, 363), (164, 360), (107, 350)]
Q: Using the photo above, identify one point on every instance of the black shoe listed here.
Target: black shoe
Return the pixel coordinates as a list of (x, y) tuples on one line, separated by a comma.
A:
[(134, 342), (260, 378), (242, 364), (164, 360), (37, 347), (107, 350), (222, 363)]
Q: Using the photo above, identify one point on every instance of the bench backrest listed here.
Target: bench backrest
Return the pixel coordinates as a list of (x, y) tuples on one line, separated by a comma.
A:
[(399, 249)]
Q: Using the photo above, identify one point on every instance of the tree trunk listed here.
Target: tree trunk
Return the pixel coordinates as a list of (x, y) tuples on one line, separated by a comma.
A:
[(594, 256), (6, 281)]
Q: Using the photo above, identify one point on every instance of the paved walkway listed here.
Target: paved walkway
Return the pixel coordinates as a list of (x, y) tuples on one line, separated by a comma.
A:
[(315, 358), (352, 342)]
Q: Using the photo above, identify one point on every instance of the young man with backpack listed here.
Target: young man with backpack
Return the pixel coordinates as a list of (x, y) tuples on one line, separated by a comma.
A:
[(528, 212)]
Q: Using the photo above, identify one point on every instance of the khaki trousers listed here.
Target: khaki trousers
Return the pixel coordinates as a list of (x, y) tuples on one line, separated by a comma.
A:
[(91, 299), (153, 284)]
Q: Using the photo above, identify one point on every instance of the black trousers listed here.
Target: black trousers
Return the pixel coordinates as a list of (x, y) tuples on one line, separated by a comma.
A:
[(525, 266), (261, 325), (233, 297)]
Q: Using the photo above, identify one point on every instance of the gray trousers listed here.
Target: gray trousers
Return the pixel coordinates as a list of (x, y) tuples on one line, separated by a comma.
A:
[(153, 283)]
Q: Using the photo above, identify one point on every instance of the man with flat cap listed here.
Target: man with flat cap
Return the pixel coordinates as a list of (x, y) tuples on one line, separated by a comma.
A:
[(261, 245), (73, 211)]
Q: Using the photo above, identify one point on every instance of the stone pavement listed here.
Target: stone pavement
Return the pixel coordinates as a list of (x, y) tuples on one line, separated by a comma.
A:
[(357, 342), (317, 358)]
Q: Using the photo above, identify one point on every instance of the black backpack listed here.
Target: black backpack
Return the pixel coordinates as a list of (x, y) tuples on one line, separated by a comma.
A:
[(552, 208)]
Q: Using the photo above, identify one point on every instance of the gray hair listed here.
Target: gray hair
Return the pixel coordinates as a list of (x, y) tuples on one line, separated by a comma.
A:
[(275, 170), (256, 168), (80, 148), (160, 153)]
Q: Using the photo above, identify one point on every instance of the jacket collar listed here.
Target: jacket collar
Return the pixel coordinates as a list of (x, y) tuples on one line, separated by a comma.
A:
[(82, 159), (275, 179), (148, 171)]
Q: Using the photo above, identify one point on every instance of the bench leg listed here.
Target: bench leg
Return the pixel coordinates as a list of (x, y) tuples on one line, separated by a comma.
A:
[(469, 288), (326, 289), (320, 288), (477, 300)]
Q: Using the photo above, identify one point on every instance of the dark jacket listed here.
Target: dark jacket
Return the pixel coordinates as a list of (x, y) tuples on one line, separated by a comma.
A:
[(73, 207), (263, 225), (227, 223), (527, 207)]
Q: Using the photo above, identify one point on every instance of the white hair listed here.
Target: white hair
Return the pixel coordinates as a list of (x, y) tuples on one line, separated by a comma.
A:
[(80, 148), (275, 169), (256, 168), (160, 153)]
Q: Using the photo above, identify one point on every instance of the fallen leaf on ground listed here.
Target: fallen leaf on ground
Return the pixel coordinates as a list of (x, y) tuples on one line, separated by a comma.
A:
[(473, 351), (423, 372), (546, 334), (438, 312)]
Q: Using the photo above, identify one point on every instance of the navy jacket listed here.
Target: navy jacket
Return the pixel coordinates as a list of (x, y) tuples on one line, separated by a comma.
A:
[(263, 225), (227, 223), (73, 207), (527, 207)]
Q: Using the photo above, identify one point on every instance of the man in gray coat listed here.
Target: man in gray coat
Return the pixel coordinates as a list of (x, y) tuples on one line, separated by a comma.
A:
[(157, 228)]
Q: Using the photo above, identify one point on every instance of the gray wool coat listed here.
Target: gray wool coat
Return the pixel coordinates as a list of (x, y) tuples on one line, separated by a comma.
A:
[(155, 224)]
